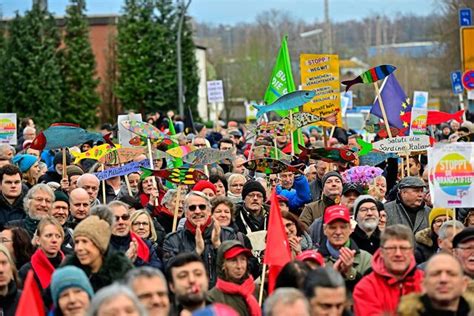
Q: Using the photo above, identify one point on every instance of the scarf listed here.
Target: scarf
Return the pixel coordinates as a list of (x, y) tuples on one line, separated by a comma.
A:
[(192, 228), (163, 210), (43, 267), (245, 290), (335, 252), (142, 250)]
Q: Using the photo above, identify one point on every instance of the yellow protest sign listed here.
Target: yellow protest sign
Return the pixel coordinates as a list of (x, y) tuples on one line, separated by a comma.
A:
[(320, 73)]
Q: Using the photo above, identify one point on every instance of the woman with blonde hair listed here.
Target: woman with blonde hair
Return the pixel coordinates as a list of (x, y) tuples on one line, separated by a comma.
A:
[(236, 185), (9, 294), (142, 225), (29, 167)]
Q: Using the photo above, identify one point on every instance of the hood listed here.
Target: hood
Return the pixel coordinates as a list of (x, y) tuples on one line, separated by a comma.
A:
[(424, 237), (378, 267), (226, 245)]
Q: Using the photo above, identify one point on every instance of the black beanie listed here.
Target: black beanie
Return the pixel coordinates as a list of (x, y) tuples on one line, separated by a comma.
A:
[(58, 158), (331, 174), (61, 196), (252, 186)]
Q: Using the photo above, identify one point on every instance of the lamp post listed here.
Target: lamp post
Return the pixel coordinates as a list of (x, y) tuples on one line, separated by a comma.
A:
[(182, 13)]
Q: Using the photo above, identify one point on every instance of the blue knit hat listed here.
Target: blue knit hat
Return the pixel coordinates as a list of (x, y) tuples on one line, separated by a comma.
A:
[(67, 277), (24, 162)]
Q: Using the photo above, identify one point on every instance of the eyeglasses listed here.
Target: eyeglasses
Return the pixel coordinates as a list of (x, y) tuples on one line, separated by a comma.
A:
[(467, 249), (124, 217), (255, 195), (365, 209), (274, 180), (199, 145), (393, 249), (5, 240), (438, 222), (41, 200), (138, 224), (193, 207)]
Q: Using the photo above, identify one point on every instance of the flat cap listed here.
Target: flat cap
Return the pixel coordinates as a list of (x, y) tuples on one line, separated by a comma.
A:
[(411, 182)]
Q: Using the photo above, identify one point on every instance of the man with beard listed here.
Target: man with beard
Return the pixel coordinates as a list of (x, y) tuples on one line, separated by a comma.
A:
[(409, 208), (60, 211), (187, 279), (235, 286), (149, 284), (366, 234), (332, 191), (252, 214), (38, 203), (201, 235)]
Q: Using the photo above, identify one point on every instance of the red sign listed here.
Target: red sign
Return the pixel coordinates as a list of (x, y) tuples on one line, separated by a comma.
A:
[(468, 79)]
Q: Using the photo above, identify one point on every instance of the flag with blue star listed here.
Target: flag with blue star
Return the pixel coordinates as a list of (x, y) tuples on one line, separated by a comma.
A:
[(395, 101)]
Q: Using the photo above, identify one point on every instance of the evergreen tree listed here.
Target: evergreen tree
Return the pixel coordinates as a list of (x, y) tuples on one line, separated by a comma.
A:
[(80, 99), (190, 70), (32, 84)]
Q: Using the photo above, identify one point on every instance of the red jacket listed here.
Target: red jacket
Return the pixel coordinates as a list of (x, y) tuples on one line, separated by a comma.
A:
[(379, 292)]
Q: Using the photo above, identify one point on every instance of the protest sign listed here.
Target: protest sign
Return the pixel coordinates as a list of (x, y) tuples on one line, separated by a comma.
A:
[(451, 174), (123, 170), (419, 113), (401, 144), (320, 73), (125, 135), (8, 128)]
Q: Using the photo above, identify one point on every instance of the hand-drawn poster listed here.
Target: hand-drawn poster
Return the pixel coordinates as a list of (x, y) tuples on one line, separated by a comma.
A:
[(419, 113), (125, 135), (451, 174), (320, 73), (8, 128)]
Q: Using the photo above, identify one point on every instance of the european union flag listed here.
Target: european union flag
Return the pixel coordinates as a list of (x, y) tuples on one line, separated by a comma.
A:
[(395, 101)]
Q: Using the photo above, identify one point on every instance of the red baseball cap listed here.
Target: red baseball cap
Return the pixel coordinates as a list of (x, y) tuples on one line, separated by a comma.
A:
[(336, 212), (237, 250), (311, 255)]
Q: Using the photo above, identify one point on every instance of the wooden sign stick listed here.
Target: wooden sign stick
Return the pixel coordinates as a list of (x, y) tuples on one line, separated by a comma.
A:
[(262, 285), (176, 208), (382, 108)]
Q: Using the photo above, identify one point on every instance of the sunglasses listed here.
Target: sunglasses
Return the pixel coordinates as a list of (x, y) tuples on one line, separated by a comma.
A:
[(202, 207), (124, 217)]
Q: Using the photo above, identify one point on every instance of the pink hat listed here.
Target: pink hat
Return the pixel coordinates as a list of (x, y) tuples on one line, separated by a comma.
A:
[(204, 184)]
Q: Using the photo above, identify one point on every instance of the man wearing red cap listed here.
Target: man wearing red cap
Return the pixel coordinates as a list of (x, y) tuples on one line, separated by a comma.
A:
[(235, 286), (338, 250)]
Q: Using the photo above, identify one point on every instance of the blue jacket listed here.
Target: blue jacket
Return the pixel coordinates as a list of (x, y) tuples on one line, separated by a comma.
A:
[(299, 195)]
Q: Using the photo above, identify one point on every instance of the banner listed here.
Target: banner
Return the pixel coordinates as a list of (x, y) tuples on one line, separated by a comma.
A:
[(403, 144), (451, 174), (320, 73), (419, 113), (123, 170), (8, 128)]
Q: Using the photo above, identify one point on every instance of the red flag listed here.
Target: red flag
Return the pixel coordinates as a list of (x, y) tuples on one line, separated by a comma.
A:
[(277, 250), (31, 302)]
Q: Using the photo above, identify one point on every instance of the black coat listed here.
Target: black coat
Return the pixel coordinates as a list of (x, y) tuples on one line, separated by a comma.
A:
[(369, 244), (27, 223), (114, 267), (9, 303), (184, 241), (244, 219), (10, 212), (122, 243)]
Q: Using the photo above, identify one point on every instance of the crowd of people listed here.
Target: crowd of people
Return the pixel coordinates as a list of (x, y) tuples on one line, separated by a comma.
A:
[(114, 247)]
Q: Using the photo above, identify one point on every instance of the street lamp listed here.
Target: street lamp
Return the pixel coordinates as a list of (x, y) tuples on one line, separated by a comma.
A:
[(182, 14)]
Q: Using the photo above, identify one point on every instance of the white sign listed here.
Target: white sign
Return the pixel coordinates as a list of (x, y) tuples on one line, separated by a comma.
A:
[(8, 128), (470, 94), (125, 135), (403, 144), (451, 174), (215, 91), (420, 100)]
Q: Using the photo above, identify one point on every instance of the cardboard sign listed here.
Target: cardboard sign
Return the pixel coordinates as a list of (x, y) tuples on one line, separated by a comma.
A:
[(8, 128), (125, 135), (403, 144), (215, 91), (320, 73), (451, 174)]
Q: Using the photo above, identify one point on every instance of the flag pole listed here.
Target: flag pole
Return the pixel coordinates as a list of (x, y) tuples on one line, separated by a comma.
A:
[(64, 164), (291, 134), (382, 108), (262, 284), (176, 208)]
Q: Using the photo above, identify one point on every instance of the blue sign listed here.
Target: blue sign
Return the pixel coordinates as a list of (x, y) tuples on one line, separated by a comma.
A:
[(465, 17), (456, 83)]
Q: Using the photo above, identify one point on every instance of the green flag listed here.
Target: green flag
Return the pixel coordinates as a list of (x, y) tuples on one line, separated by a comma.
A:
[(281, 82)]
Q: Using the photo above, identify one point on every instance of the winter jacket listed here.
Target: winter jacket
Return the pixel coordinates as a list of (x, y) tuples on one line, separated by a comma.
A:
[(215, 295), (315, 210), (360, 267), (379, 292), (420, 305), (246, 222), (67, 247), (316, 232), (27, 223), (50, 176), (109, 194), (298, 195), (426, 245), (122, 243), (9, 302), (10, 212), (316, 188), (397, 214), (369, 244), (184, 241), (114, 267)]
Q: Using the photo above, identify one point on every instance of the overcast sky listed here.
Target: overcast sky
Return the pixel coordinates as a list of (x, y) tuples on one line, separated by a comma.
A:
[(234, 11)]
